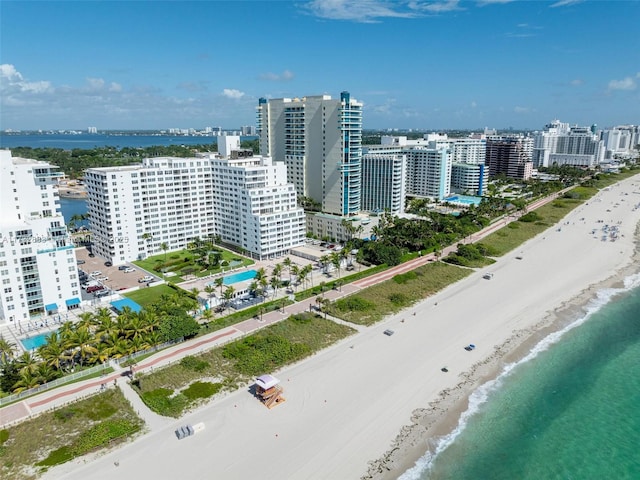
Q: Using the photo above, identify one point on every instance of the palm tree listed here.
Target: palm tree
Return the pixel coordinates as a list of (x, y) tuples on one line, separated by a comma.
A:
[(295, 270), (228, 295), (219, 282), (86, 321), (287, 263), (164, 247), (209, 290), (54, 352), (274, 283), (277, 272), (28, 379), (101, 354), (82, 343), (26, 361), (336, 260), (7, 350)]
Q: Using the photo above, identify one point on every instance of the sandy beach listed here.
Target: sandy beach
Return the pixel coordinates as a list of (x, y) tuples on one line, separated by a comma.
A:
[(366, 406)]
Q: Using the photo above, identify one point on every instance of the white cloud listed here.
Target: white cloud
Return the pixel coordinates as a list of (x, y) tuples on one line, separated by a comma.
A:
[(626, 83), (371, 11), (474, 104), (232, 93), (482, 3), (521, 109), (115, 87), (577, 82), (13, 82), (274, 77), (95, 83), (564, 3)]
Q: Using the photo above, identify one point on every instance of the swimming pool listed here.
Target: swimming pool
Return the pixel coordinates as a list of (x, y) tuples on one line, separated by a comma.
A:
[(239, 277), (36, 341), (464, 199)]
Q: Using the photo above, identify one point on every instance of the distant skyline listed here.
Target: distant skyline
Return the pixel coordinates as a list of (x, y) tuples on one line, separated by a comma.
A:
[(422, 65)]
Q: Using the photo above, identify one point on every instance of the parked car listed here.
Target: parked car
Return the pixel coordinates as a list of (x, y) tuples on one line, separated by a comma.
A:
[(92, 283), (91, 255), (108, 264), (488, 276), (102, 293), (102, 279), (129, 270), (123, 267), (94, 288), (146, 278), (95, 273), (80, 262)]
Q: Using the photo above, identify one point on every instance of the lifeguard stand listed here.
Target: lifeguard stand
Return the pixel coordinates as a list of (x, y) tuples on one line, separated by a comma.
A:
[(269, 391)]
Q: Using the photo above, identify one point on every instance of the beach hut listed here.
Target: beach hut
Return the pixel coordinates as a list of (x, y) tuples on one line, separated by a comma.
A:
[(269, 391)]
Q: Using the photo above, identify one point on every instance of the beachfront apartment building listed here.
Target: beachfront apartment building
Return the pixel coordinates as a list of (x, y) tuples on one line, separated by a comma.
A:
[(254, 205), (510, 155), (319, 139), (469, 179), (138, 210), (559, 144), (38, 267), (429, 172), (383, 182)]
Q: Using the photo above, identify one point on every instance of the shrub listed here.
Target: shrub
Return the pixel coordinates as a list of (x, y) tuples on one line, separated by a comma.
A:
[(195, 364), (161, 402), (398, 299), (57, 456), (529, 217), (354, 303), (4, 436), (405, 277), (65, 414), (263, 353), (201, 390)]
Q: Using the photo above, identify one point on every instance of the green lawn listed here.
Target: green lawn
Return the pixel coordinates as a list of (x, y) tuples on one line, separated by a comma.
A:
[(31, 447), (148, 295), (183, 263)]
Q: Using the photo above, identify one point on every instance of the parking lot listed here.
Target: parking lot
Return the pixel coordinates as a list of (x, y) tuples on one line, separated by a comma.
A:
[(114, 279)]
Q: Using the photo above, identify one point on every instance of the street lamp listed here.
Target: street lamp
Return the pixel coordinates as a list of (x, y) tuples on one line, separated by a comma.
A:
[(283, 302)]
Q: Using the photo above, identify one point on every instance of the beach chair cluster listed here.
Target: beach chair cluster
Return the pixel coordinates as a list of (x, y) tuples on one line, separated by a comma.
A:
[(269, 391)]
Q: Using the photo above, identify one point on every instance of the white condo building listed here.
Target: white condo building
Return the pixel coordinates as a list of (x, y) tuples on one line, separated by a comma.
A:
[(137, 210), (319, 139), (38, 265), (383, 182), (558, 144)]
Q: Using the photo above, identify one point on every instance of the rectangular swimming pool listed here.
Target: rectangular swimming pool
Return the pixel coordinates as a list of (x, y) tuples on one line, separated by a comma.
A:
[(36, 341), (239, 277), (464, 199)]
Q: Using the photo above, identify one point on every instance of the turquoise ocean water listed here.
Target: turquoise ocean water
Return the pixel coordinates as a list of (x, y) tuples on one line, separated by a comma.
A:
[(569, 410)]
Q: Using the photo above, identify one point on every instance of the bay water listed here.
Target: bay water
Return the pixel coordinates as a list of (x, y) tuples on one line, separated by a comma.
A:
[(569, 410)]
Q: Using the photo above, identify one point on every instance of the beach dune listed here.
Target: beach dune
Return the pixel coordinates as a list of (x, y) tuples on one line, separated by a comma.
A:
[(347, 405)]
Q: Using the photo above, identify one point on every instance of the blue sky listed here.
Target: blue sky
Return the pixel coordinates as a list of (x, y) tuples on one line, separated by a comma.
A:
[(414, 64)]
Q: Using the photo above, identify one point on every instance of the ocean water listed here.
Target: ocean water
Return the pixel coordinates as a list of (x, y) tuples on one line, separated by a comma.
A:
[(88, 141), (569, 410)]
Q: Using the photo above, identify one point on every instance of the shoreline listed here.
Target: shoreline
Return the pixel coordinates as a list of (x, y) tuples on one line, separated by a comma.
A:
[(430, 425)]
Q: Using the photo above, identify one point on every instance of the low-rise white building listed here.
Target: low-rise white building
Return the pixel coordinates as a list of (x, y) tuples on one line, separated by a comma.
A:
[(38, 267)]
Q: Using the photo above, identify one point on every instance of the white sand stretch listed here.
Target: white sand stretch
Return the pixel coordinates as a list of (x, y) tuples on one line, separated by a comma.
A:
[(346, 405)]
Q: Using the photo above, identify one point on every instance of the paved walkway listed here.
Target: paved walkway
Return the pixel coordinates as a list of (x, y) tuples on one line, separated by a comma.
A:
[(63, 395)]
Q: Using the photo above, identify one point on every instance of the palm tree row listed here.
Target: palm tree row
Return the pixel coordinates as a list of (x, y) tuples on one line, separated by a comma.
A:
[(94, 339)]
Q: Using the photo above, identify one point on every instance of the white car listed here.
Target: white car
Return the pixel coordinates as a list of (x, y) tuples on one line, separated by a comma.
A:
[(129, 270), (145, 279), (95, 273), (102, 279)]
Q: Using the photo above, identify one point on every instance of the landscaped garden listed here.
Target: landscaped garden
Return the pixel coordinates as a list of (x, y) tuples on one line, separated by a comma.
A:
[(200, 260), (174, 389), (31, 447)]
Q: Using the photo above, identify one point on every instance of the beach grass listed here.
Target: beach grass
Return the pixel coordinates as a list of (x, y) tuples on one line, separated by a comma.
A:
[(31, 447), (376, 302), (169, 391)]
